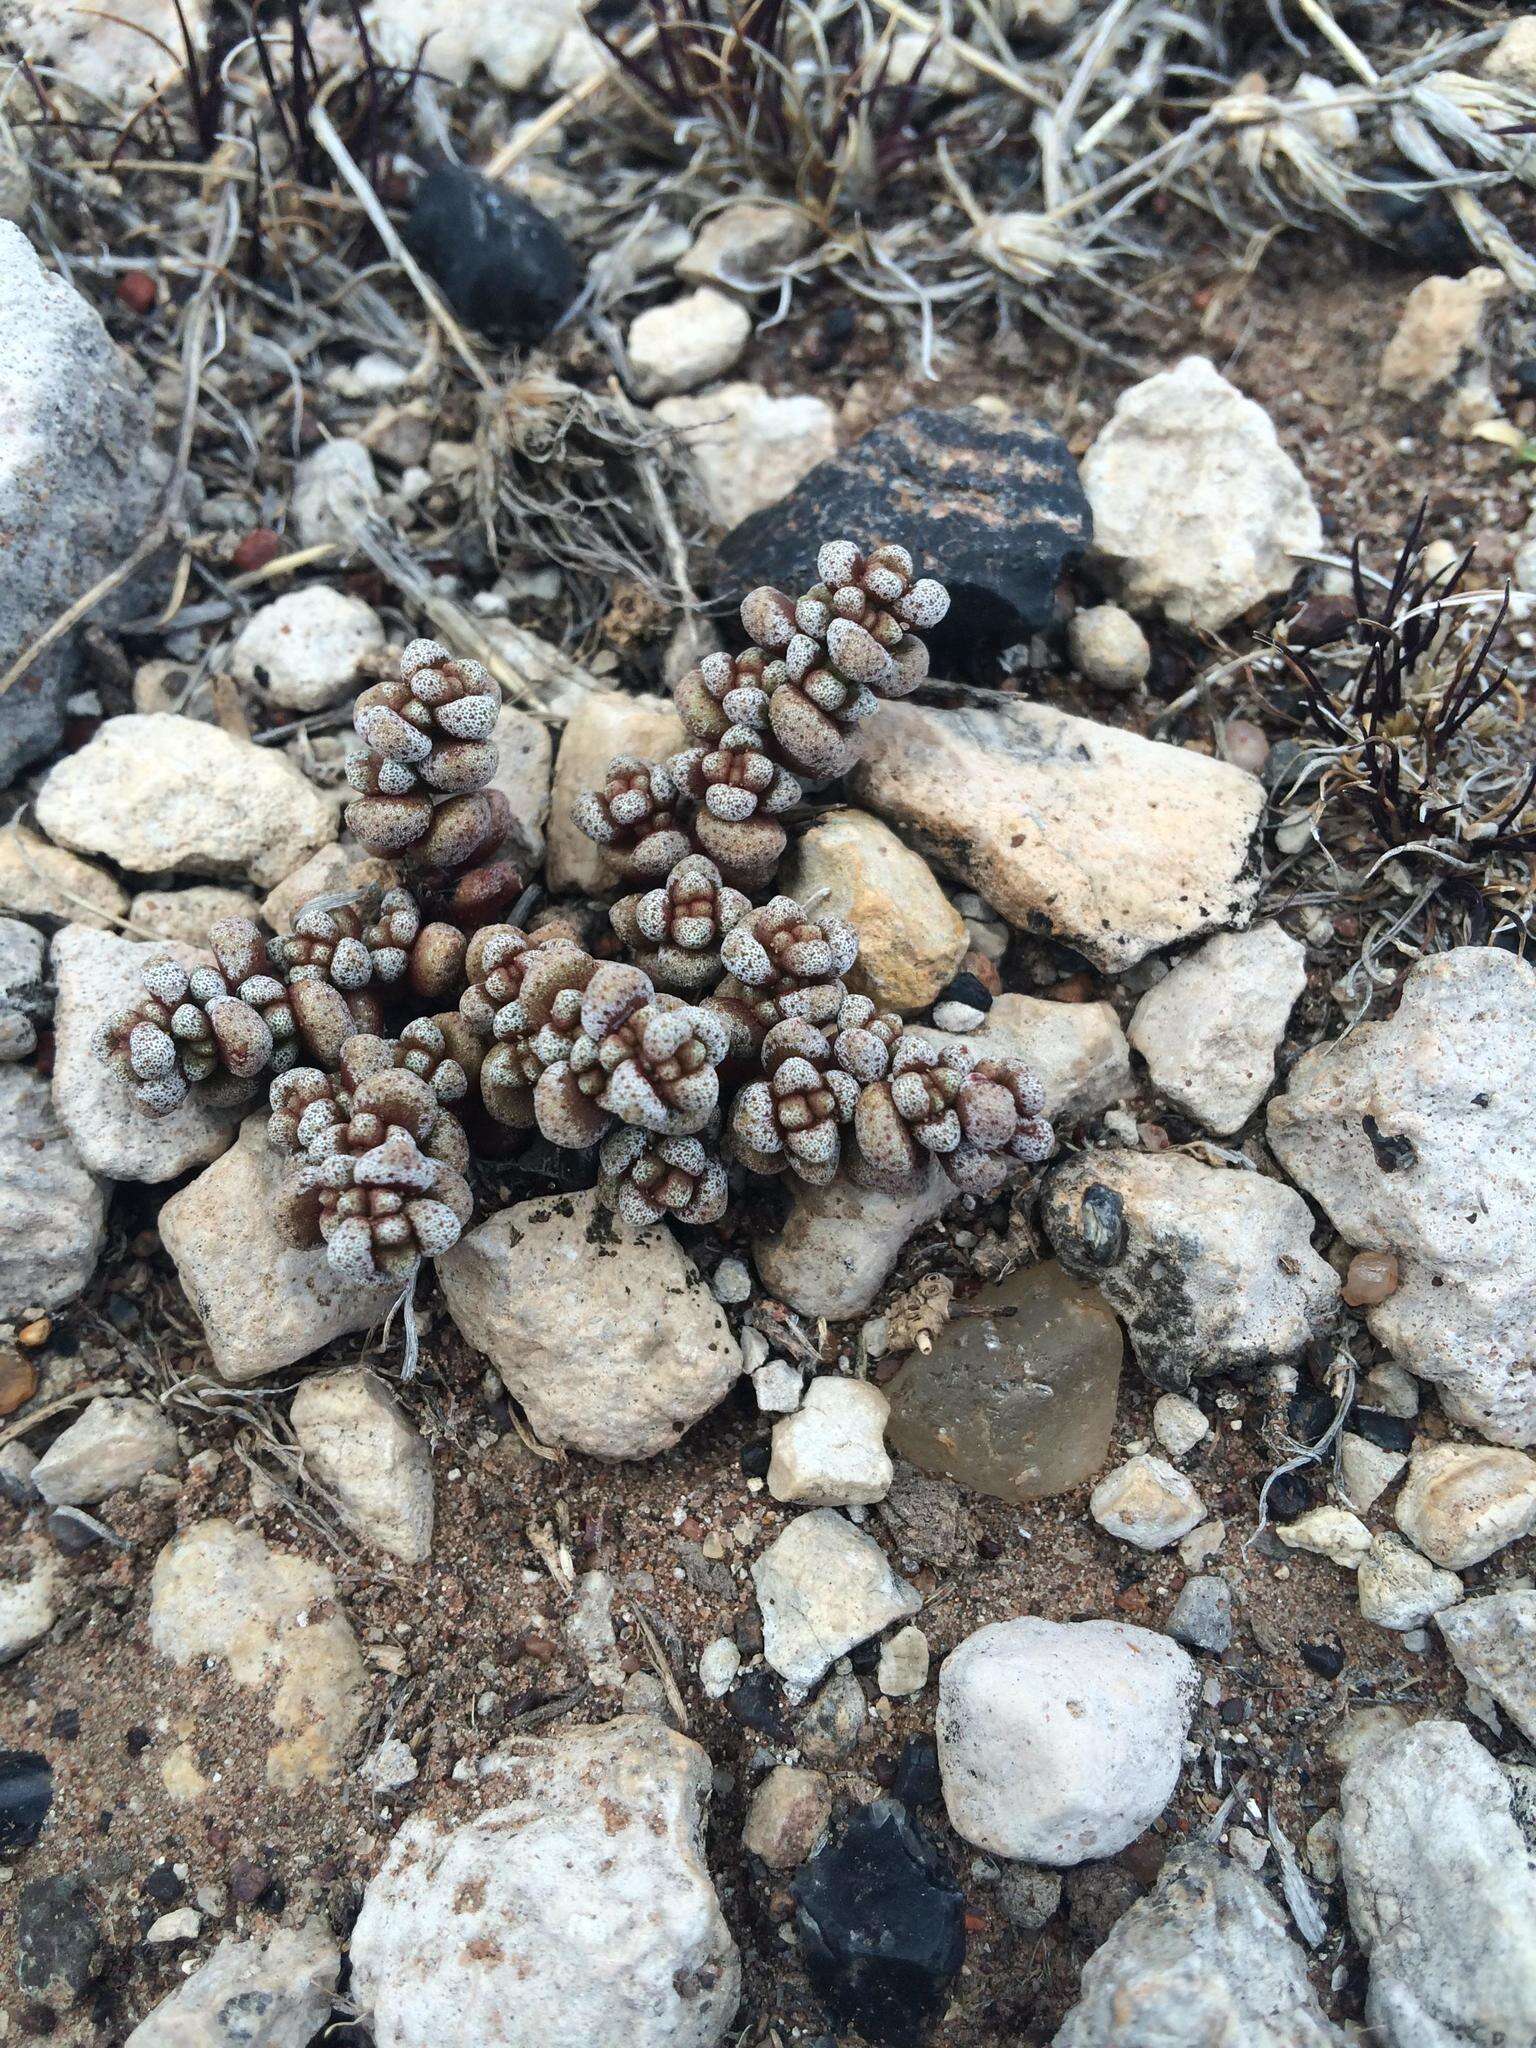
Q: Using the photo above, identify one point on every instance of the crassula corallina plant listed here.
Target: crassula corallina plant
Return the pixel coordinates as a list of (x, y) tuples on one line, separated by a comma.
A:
[(710, 1034)]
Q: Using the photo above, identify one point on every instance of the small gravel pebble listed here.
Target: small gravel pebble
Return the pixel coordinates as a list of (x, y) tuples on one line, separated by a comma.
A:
[(732, 1282)]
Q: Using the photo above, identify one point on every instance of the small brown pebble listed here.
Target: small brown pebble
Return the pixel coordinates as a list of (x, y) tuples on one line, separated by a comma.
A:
[(137, 290), (1153, 1137), (249, 1880), (18, 1381), (35, 1335), (1077, 988), (540, 1648), (985, 971), (692, 1528), (1244, 745), (258, 548), (1372, 1276)]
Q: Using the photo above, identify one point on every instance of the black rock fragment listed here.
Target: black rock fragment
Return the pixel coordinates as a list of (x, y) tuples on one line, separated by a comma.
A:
[(59, 1949), (26, 1793), (992, 508), (882, 1927), (503, 266), (1386, 1432), (1326, 1659), (1288, 1497)]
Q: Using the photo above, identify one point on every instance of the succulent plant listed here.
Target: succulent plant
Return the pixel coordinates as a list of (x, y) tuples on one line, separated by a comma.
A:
[(781, 963), (793, 1118), (674, 932), (187, 1030), (309, 1105), (637, 817), (639, 1057), (980, 1119), (736, 790), (645, 1177)]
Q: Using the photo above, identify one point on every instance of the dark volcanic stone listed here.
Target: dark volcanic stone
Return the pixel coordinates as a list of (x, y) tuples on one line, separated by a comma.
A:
[(968, 988), (994, 510), (59, 1948), (1387, 1432), (1326, 1659), (917, 1772), (757, 1703), (502, 265), (1290, 1496), (26, 1793), (882, 1927)]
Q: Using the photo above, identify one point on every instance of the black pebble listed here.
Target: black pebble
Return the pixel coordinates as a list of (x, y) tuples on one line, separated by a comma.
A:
[(65, 1724), (969, 988), (59, 1949), (882, 1927), (755, 1459), (1290, 1496), (137, 1741), (1525, 376), (163, 1885), (71, 1533), (865, 1656), (1310, 1412), (26, 1793), (502, 265), (1101, 1226), (1326, 1659), (917, 1772), (1233, 1713), (1387, 1432), (756, 1702)]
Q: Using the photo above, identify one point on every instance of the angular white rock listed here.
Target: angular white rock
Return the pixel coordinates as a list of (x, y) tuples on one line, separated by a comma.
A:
[(1209, 1030), (262, 1303), (839, 1244), (41, 880), (275, 1619), (512, 43), (159, 793), (1178, 1424), (903, 1666), (1399, 1589), (575, 1909), (364, 1450), (112, 1445), (824, 1587), (1060, 1741), (1492, 1642), (750, 449), (335, 489), (272, 1993), (605, 1334), (1146, 1501), (778, 1386), (32, 1585), (1366, 1470), (1196, 507), (1448, 1085), (1115, 844), (719, 1663), (52, 1211), (1442, 1892), (1328, 1532), (1462, 1502), (304, 649), (1205, 1960), (831, 1453), (99, 976), (1212, 1270), (682, 344)]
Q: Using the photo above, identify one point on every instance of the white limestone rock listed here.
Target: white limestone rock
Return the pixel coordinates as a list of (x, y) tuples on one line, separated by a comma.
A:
[(276, 1620), (1108, 647), (839, 1244), (1146, 1501), (1398, 1588), (1441, 345), (158, 793), (185, 915), (750, 449), (824, 1587), (1492, 1642), (1061, 1741), (605, 1334), (32, 1587), (831, 1453), (1448, 1087), (262, 1303), (1328, 1532), (1462, 1502), (305, 648), (903, 1667), (1442, 1892), (684, 343), (1366, 1470), (1204, 1960), (1115, 844), (123, 56), (1210, 1028), (271, 1993), (113, 1444), (513, 44), (1212, 1270), (99, 976), (52, 1211), (364, 1450), (335, 488), (1197, 509), (575, 1908), (1179, 1424)]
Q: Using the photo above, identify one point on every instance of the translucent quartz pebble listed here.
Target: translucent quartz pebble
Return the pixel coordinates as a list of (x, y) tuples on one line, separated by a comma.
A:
[(1017, 1397)]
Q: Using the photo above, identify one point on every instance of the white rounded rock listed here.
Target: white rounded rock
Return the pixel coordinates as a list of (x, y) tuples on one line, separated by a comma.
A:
[(1462, 1502), (683, 344), (1146, 1501), (358, 1443), (1398, 1589), (1328, 1532), (112, 1445), (831, 1452), (1109, 648), (1179, 1424), (1061, 1741), (305, 648)]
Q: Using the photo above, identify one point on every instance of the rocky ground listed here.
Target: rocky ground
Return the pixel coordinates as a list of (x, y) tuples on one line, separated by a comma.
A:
[(1098, 1612)]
